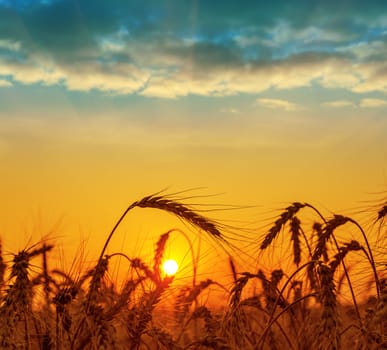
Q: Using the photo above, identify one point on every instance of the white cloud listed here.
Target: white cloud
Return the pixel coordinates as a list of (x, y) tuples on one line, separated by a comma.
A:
[(278, 104), (9, 45), (183, 83), (373, 77), (284, 33), (373, 103), (363, 50), (37, 69), (114, 42), (339, 104), (251, 79), (313, 34), (111, 46), (340, 74), (187, 79), (5, 83), (120, 78), (170, 70)]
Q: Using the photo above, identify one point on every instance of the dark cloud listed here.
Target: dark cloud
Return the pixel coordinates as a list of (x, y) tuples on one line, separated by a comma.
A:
[(179, 40), (205, 54), (69, 22)]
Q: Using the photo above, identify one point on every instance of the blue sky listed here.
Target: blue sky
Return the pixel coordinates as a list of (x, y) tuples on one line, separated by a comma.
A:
[(103, 102)]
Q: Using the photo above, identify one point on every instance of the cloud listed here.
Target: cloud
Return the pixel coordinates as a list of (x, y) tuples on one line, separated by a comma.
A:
[(9, 45), (120, 78), (277, 104), (5, 83), (171, 70), (373, 77), (364, 50), (364, 103), (373, 103), (208, 50), (339, 104), (283, 33)]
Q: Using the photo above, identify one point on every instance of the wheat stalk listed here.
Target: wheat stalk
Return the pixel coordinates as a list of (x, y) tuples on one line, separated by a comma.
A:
[(210, 324), (138, 264), (280, 223), (236, 291), (270, 289), (173, 207), (331, 225), (233, 269), (329, 318), (189, 296), (18, 301), (343, 251), (63, 318), (97, 275), (91, 310), (295, 229), (3, 266), (380, 312), (382, 212), (140, 317), (274, 320), (162, 203), (318, 228), (123, 298), (159, 253), (164, 338)]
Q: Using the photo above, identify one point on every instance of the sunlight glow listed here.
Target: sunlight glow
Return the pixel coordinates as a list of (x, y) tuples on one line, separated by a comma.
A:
[(170, 267)]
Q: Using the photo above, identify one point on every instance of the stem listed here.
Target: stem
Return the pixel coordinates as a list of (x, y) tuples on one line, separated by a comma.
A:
[(273, 320), (114, 230), (317, 212), (349, 283), (369, 256)]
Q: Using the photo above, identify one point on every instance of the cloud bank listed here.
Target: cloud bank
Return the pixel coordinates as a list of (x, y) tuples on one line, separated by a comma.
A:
[(173, 49)]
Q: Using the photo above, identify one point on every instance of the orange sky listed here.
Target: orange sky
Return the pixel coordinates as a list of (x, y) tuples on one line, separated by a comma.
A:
[(74, 177), (261, 105)]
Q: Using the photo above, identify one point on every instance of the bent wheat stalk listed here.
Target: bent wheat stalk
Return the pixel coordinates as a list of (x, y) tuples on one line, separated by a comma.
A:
[(176, 208), (287, 215)]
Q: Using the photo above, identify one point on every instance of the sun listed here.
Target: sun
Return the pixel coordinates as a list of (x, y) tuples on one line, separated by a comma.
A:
[(170, 267)]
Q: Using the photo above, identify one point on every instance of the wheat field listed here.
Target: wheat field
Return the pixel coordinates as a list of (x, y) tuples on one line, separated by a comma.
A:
[(333, 294)]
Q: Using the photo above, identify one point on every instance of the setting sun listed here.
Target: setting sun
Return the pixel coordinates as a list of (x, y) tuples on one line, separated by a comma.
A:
[(170, 267)]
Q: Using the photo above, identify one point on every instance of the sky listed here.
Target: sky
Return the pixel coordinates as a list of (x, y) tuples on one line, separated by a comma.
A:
[(263, 103)]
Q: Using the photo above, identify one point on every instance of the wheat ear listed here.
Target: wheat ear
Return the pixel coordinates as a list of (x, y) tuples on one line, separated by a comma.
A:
[(173, 207), (280, 222), (159, 253), (295, 228), (3, 266), (330, 318)]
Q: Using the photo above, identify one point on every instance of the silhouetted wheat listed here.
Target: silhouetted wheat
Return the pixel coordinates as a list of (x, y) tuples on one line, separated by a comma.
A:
[(233, 268), (343, 251), (382, 212), (330, 318), (140, 316), (295, 228), (17, 306), (327, 233), (3, 266), (297, 307), (159, 253), (280, 222)]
